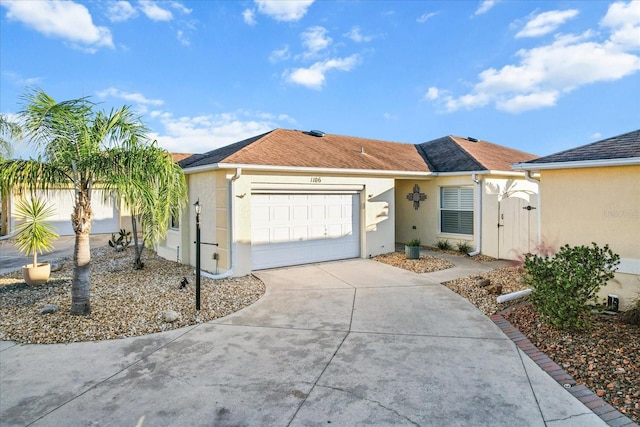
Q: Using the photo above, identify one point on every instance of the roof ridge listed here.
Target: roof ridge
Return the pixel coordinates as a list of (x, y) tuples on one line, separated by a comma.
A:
[(471, 156), (256, 139)]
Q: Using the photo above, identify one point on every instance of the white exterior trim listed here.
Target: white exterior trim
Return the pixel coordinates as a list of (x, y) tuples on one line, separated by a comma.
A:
[(629, 266), (292, 188), (630, 161), (314, 170)]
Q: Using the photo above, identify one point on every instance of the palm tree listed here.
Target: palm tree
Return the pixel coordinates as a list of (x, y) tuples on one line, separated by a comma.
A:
[(153, 187), (79, 148), (8, 131)]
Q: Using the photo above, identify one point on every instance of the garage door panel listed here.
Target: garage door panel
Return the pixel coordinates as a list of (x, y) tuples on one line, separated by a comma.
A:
[(319, 227), (261, 236)]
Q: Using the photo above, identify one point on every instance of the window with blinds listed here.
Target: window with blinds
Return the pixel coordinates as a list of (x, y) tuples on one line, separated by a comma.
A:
[(456, 210)]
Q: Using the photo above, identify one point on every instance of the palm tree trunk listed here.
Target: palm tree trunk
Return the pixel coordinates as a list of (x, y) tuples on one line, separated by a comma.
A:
[(137, 262), (81, 285)]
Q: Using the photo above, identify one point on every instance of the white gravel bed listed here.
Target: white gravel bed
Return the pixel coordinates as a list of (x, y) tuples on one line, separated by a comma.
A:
[(124, 302)]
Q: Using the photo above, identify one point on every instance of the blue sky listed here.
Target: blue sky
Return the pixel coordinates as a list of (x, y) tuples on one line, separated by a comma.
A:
[(539, 76)]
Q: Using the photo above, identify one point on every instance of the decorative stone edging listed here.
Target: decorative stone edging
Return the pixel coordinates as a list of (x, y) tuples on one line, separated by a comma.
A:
[(604, 410)]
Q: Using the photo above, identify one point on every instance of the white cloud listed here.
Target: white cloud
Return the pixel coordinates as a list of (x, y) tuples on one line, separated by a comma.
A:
[(139, 101), (624, 20), (485, 6), (596, 136), (313, 77), (182, 38), (180, 7), (315, 40), (425, 17), (155, 12), (545, 73), (356, 35), (546, 22), (287, 11), (249, 17), (280, 55), (531, 101), (204, 133), (18, 80), (64, 19), (433, 93), (120, 11)]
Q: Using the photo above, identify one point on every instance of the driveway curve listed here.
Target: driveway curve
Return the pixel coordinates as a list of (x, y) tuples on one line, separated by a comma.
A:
[(344, 343)]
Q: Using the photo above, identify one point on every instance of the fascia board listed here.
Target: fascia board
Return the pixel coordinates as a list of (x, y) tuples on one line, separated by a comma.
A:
[(482, 172), (295, 169), (630, 161)]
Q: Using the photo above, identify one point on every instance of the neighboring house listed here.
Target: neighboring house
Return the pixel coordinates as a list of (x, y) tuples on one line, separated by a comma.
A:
[(108, 216), (290, 197), (592, 194)]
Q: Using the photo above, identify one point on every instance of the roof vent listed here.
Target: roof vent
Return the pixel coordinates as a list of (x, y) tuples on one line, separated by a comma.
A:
[(472, 139), (317, 133)]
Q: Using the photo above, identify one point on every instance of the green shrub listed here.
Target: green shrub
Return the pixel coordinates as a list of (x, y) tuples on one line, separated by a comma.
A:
[(464, 247), (444, 245), (564, 284), (122, 241), (414, 242)]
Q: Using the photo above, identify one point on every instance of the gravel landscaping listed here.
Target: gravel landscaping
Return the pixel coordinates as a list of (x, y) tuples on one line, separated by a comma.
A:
[(124, 302), (426, 263)]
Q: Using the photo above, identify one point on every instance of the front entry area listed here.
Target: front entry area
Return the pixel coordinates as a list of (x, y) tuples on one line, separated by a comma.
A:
[(293, 229)]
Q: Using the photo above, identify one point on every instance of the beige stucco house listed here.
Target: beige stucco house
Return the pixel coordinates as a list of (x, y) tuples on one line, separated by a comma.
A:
[(592, 194), (291, 197)]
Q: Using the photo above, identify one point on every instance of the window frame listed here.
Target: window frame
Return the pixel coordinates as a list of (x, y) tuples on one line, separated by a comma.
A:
[(463, 204)]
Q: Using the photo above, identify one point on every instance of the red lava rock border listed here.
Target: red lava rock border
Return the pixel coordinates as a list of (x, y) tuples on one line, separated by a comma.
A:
[(605, 411)]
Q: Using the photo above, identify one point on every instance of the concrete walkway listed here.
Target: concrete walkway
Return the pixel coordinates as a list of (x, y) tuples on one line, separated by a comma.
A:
[(343, 343)]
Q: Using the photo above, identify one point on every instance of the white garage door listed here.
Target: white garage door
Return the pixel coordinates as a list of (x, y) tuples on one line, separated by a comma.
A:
[(291, 229)]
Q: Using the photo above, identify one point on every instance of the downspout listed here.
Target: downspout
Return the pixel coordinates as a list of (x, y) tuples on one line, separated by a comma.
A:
[(479, 235), (530, 178), (232, 240)]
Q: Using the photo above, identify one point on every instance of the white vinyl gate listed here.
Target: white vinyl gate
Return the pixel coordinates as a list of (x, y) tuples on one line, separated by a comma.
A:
[(292, 229)]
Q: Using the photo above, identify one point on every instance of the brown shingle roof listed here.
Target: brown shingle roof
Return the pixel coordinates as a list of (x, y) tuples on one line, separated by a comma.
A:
[(178, 157), (294, 148), (456, 154)]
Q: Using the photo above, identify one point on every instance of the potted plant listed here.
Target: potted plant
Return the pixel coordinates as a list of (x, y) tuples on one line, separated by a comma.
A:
[(35, 235), (412, 249)]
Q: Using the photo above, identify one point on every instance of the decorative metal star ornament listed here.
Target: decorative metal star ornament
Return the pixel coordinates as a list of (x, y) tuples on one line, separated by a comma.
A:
[(416, 197)]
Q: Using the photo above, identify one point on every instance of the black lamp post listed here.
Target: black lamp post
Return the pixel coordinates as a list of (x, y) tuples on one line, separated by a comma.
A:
[(198, 209)]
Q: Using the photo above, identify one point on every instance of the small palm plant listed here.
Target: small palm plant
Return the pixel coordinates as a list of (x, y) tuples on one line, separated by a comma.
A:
[(35, 234)]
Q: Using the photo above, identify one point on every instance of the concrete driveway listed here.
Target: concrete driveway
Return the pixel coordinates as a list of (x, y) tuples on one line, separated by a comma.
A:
[(343, 343)]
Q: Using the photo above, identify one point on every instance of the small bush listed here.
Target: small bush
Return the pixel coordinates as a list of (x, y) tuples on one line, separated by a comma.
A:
[(414, 242), (564, 284), (444, 245), (122, 241), (464, 247)]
